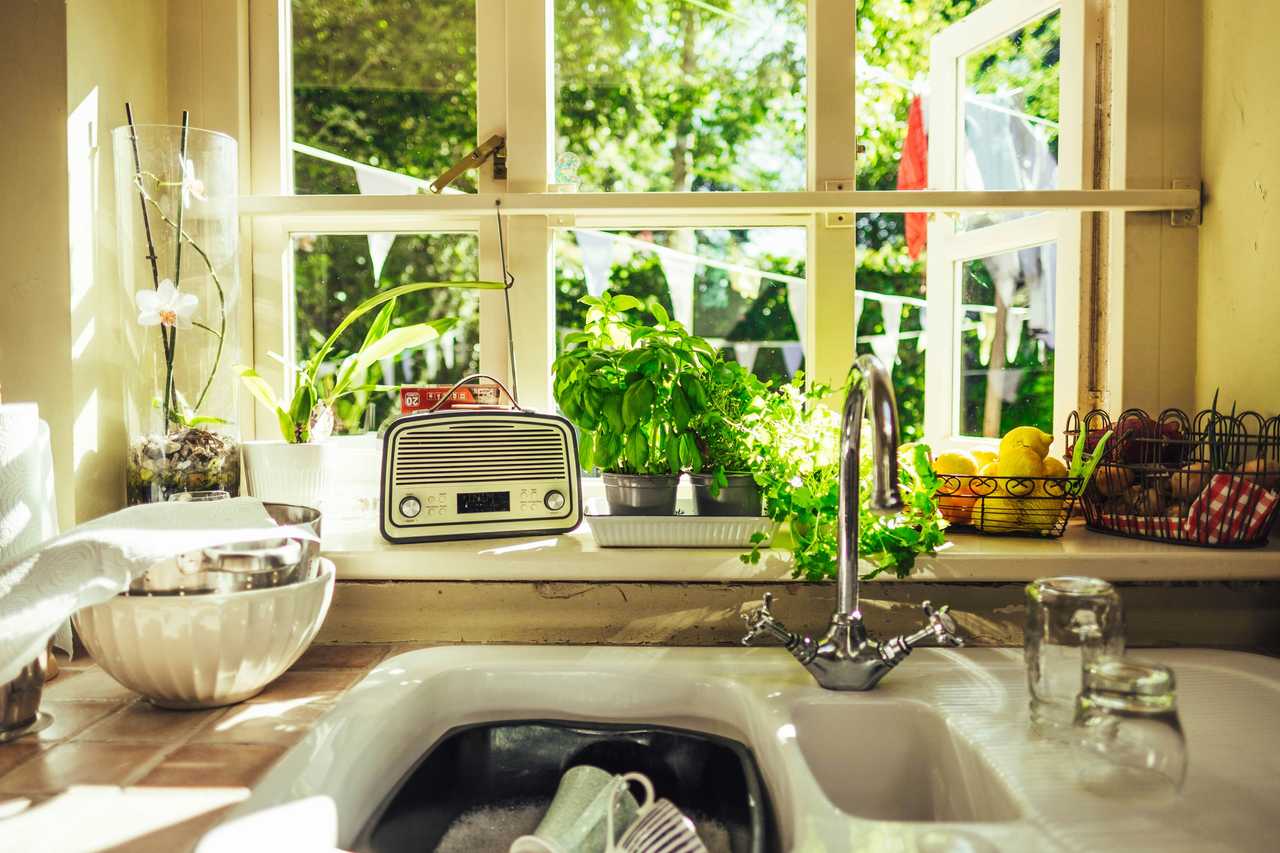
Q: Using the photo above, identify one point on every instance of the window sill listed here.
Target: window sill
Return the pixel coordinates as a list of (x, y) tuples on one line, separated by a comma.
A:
[(361, 554)]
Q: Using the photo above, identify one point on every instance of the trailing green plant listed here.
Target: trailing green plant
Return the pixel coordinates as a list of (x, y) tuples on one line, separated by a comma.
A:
[(795, 444), (301, 418), (736, 398), (633, 390)]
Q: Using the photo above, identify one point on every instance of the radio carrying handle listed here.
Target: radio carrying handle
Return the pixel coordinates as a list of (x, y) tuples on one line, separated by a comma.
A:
[(464, 380)]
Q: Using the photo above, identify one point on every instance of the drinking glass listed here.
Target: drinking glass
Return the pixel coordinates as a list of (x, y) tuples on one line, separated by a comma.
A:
[(1071, 621), (1128, 738)]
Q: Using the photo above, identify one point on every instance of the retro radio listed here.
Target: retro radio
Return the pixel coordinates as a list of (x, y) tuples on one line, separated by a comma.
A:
[(479, 473)]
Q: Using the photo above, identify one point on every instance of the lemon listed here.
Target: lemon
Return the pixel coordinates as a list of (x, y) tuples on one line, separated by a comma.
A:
[(1054, 467), (1026, 438), (988, 470), (955, 463), (1020, 462), (983, 457)]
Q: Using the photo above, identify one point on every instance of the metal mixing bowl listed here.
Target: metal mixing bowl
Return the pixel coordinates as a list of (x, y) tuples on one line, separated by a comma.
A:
[(240, 566)]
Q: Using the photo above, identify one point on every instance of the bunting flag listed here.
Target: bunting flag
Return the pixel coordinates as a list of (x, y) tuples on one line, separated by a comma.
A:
[(792, 355), (885, 346), (745, 353), (379, 182), (431, 353), (447, 351), (679, 268), (746, 284), (597, 259)]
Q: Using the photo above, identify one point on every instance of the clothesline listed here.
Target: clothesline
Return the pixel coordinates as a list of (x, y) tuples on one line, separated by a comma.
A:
[(921, 87)]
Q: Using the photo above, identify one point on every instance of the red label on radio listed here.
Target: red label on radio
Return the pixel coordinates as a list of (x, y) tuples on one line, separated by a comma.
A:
[(422, 397)]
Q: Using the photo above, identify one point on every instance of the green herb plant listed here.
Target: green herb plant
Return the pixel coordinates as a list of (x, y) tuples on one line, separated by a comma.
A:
[(316, 388), (795, 445), (632, 389), (736, 399)]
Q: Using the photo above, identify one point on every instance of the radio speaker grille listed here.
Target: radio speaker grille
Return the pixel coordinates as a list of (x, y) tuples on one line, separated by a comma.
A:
[(467, 453)]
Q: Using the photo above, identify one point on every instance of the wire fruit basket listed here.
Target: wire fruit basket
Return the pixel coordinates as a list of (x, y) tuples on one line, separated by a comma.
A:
[(1210, 479), (1017, 506)]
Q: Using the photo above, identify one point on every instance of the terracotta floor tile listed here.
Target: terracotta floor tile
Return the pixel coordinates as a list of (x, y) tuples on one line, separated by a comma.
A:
[(214, 765), (142, 722), (70, 718), (68, 764), (178, 836), (92, 685), (360, 657), (320, 686), (280, 723), (15, 752)]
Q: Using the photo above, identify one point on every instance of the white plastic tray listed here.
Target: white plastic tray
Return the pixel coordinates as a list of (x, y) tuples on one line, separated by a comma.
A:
[(672, 531)]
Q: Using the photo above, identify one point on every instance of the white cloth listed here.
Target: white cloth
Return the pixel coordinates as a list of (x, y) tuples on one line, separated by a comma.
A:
[(88, 565)]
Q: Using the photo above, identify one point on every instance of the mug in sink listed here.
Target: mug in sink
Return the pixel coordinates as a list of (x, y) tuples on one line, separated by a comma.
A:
[(581, 816)]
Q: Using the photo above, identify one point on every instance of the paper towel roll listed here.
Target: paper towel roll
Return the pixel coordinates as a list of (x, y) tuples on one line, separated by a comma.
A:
[(28, 512)]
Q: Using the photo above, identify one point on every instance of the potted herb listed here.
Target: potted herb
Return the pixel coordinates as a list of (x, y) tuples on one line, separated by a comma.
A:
[(294, 469), (736, 400), (795, 443), (632, 390)]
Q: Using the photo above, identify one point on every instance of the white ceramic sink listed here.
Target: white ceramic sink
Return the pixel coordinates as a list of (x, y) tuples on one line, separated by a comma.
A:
[(897, 760), (937, 758)]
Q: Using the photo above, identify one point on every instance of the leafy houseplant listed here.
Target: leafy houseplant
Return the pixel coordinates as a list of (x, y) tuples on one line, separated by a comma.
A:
[(736, 399), (795, 441), (633, 391), (293, 470)]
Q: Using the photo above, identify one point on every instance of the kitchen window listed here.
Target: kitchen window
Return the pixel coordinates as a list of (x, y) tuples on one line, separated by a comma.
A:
[(703, 152)]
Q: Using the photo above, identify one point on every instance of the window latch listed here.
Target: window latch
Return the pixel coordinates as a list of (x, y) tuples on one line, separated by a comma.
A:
[(495, 146)]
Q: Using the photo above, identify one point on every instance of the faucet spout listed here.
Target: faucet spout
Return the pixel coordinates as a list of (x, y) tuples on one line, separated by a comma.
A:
[(845, 658), (869, 385)]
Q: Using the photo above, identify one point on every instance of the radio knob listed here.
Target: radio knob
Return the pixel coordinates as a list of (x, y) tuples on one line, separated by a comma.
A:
[(410, 507), (554, 500)]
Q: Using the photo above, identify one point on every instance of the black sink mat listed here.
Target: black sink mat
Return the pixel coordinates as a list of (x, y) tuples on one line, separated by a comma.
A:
[(518, 764)]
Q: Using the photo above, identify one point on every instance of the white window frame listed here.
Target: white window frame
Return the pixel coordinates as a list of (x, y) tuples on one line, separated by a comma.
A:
[(516, 98), (950, 247)]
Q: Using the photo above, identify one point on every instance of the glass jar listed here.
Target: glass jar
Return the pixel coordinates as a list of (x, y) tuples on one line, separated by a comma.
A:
[(180, 330), (1071, 621), (1128, 737)]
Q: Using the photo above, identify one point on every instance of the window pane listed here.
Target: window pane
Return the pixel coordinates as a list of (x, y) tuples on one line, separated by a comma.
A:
[(1011, 115), (673, 95), (742, 289), (387, 83), (891, 319), (1007, 341), (333, 273)]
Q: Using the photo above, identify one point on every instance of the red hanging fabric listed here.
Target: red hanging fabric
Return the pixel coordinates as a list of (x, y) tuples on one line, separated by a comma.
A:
[(913, 174)]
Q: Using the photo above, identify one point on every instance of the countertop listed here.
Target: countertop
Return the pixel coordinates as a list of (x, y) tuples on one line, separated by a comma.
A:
[(113, 772)]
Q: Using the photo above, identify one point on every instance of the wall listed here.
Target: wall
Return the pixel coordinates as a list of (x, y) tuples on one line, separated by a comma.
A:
[(1239, 291), (35, 297), (116, 52)]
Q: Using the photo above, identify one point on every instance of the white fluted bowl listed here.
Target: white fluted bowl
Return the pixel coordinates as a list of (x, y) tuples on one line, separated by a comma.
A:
[(203, 651)]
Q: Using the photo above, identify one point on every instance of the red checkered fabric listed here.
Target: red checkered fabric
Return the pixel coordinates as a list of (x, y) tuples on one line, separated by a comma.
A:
[(1231, 509), (1157, 527)]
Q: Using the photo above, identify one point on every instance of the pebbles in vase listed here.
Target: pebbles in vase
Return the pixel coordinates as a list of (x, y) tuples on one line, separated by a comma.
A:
[(188, 459)]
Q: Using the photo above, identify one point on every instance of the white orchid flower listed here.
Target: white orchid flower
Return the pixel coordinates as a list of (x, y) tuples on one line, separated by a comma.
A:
[(191, 185), (165, 306)]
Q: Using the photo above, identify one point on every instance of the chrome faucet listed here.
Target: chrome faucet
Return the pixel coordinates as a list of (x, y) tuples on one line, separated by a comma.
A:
[(846, 658)]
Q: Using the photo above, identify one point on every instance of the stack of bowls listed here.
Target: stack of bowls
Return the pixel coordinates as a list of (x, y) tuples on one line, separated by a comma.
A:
[(215, 626)]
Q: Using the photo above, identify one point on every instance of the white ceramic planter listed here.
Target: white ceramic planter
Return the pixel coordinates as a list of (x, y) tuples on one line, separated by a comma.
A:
[(288, 473), (203, 651)]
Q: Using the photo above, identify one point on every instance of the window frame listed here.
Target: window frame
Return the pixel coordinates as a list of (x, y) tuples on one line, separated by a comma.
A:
[(515, 97)]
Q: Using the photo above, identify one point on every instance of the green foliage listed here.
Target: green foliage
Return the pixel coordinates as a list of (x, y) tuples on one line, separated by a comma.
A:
[(316, 393), (795, 442), (620, 381)]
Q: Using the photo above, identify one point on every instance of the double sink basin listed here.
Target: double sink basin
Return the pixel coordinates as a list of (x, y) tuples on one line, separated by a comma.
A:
[(937, 758)]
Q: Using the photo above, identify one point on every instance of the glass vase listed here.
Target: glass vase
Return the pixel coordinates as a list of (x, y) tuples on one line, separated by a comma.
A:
[(180, 393)]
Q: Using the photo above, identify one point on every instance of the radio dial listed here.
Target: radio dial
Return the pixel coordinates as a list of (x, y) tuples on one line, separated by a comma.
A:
[(410, 507), (554, 500)]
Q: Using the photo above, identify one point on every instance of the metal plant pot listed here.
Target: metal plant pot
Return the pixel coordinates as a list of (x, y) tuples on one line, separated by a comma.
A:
[(641, 494), (20, 698), (739, 499)]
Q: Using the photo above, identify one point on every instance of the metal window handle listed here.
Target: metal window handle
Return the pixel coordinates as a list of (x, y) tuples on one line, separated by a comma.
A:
[(495, 146)]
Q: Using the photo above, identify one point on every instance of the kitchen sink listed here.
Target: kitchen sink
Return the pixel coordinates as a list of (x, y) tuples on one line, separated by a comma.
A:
[(897, 761), (939, 757)]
